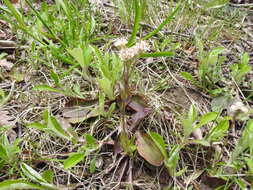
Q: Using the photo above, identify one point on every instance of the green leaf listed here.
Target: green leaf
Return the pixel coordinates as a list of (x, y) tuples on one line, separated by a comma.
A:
[(215, 4), (187, 76), (206, 118), (245, 58), (55, 77), (157, 54), (189, 121), (171, 162), (46, 88), (106, 85), (137, 20), (166, 21), (3, 152), (158, 139), (127, 144), (54, 125), (148, 149), (37, 125), (77, 54), (15, 13), (48, 175), (219, 131), (32, 174), (246, 140), (18, 184), (73, 159), (91, 142)]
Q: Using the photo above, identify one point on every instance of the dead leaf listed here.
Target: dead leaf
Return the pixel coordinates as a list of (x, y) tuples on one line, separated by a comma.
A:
[(138, 105), (78, 114), (6, 64), (7, 44), (6, 119), (208, 182), (148, 149)]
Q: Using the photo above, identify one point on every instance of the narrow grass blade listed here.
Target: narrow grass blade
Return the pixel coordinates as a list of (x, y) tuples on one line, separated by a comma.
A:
[(166, 21), (157, 54), (15, 13), (138, 13)]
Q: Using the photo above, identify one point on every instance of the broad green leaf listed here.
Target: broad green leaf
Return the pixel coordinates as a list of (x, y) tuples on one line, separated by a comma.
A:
[(106, 85), (215, 4), (127, 144), (90, 141), (219, 131), (166, 21), (187, 76), (48, 175), (73, 159), (55, 77), (78, 55), (32, 174), (37, 125), (18, 184), (158, 140), (206, 118), (147, 148), (245, 59)]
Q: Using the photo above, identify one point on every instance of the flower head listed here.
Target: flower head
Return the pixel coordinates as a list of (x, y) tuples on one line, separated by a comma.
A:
[(120, 43), (129, 53)]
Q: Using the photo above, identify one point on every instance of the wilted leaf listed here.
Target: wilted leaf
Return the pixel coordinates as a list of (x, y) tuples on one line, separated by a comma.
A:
[(148, 149), (211, 183), (78, 114), (138, 105), (219, 103)]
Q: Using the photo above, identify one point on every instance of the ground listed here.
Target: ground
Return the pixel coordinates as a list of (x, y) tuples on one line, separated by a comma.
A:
[(169, 111)]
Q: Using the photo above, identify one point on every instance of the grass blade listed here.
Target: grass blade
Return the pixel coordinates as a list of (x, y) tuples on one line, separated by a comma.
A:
[(157, 54), (138, 13), (166, 21)]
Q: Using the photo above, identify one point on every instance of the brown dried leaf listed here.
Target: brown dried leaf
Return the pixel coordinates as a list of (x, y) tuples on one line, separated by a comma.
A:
[(6, 119), (6, 64), (78, 114), (148, 149), (138, 105), (209, 182)]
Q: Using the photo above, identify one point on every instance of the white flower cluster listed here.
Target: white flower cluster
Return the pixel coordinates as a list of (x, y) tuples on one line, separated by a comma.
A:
[(120, 43), (129, 53), (238, 107)]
